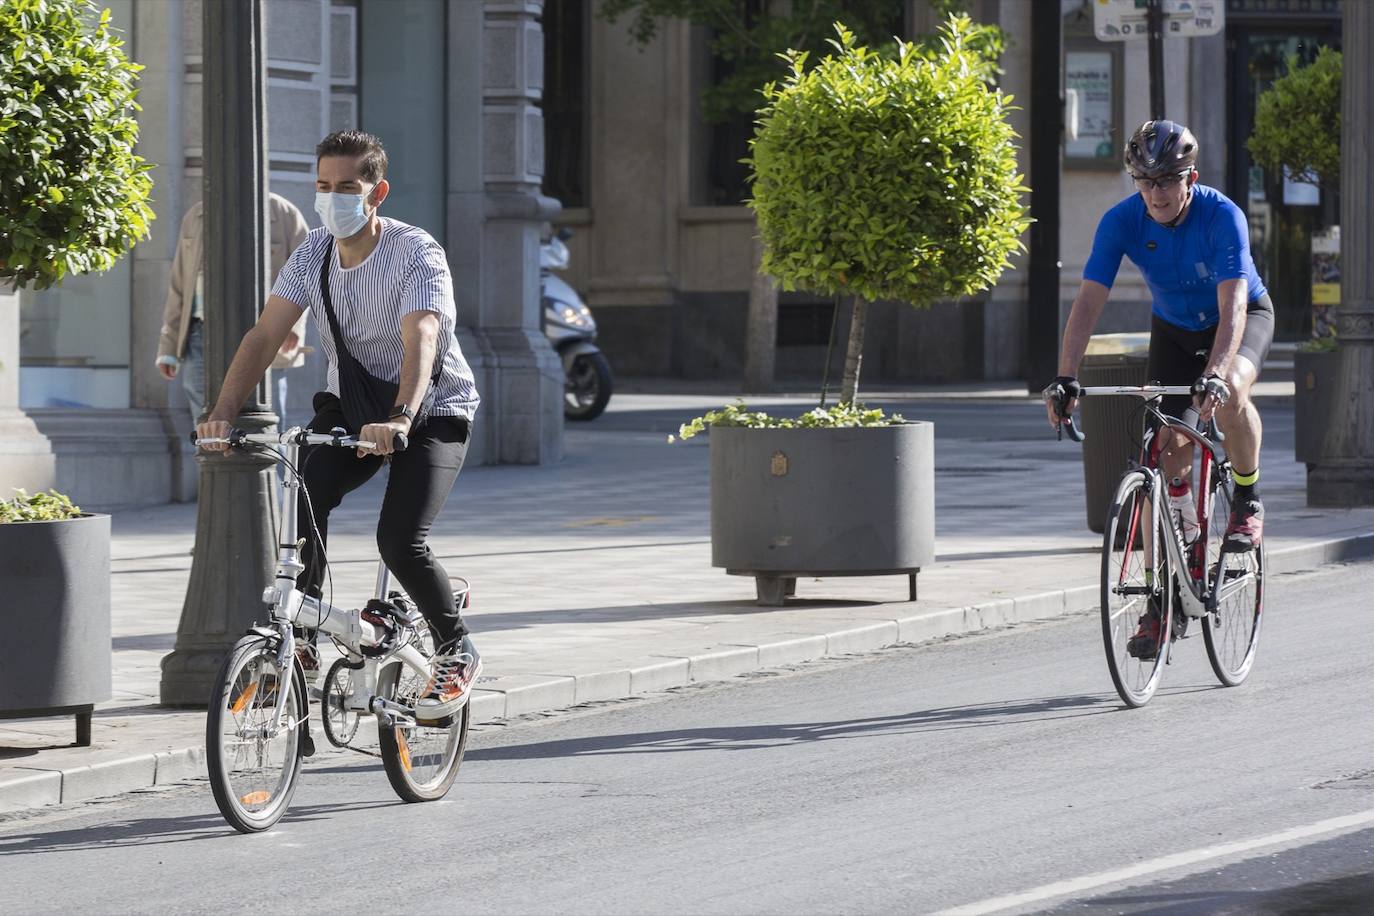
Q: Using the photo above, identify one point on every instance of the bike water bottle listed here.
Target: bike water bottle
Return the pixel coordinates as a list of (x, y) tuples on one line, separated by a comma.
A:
[(1181, 502)]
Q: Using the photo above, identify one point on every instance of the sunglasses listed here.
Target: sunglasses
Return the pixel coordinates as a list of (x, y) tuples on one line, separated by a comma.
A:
[(1163, 183)]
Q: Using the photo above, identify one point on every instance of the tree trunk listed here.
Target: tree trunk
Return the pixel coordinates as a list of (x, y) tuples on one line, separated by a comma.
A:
[(854, 353), (760, 350)]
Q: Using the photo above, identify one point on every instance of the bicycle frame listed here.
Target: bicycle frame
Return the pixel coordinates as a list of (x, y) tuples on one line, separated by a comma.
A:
[(1201, 596), (289, 607)]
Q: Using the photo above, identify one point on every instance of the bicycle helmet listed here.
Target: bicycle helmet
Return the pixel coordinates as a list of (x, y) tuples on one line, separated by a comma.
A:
[(1160, 148)]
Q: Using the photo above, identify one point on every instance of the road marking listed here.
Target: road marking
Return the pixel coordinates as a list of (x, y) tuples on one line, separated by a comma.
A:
[(1163, 863)]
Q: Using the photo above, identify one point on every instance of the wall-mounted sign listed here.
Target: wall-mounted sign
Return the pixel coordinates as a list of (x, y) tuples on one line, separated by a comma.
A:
[(1123, 20), (1091, 75)]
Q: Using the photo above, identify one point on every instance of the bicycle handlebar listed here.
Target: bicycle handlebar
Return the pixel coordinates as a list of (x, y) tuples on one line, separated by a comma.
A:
[(1066, 423), (238, 438)]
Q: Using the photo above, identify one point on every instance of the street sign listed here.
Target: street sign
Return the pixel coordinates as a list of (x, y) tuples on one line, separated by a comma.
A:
[(1123, 20)]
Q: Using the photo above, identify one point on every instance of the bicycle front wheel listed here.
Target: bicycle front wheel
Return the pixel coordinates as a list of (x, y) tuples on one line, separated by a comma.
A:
[(421, 761), (1135, 571), (1232, 629), (254, 763)]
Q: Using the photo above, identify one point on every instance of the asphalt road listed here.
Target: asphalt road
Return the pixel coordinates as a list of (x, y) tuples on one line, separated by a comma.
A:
[(975, 773)]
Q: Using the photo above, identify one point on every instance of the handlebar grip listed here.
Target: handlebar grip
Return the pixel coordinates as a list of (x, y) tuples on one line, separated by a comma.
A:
[(235, 437), (1074, 432), (400, 443)]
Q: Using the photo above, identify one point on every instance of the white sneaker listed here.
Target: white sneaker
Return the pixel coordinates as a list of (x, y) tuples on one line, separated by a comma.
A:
[(450, 686)]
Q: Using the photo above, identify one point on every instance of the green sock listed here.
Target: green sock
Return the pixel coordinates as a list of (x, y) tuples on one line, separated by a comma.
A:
[(1149, 577)]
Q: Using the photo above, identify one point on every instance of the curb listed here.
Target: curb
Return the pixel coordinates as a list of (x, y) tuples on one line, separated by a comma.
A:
[(517, 695)]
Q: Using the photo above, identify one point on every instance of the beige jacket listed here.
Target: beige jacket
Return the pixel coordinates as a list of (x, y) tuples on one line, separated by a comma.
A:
[(288, 230)]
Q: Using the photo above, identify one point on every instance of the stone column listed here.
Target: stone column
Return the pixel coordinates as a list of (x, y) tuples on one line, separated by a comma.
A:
[(1345, 474), (26, 458), (496, 162), (236, 524)]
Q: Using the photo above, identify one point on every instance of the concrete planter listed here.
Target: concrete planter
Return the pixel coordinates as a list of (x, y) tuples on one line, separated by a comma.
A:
[(791, 503), (55, 652), (1314, 386)]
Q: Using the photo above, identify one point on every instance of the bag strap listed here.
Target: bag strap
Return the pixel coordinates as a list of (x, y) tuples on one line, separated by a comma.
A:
[(339, 348), (439, 356)]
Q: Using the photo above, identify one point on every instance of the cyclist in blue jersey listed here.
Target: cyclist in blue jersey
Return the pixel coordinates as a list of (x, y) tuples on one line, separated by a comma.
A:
[(1212, 323)]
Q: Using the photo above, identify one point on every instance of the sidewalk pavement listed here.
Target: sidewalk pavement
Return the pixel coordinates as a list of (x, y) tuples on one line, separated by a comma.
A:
[(592, 578)]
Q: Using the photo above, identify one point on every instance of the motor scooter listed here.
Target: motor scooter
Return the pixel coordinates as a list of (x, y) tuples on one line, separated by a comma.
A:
[(571, 331)]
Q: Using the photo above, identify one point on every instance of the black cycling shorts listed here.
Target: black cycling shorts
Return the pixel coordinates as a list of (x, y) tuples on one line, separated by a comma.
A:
[(1178, 356)]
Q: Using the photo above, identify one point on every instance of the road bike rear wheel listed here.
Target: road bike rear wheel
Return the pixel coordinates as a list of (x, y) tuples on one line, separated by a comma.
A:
[(1232, 630), (1129, 596), (253, 771), (421, 761)]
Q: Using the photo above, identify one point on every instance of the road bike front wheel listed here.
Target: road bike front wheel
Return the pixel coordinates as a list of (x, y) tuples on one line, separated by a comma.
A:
[(1135, 573), (254, 765), (421, 761), (1232, 629)]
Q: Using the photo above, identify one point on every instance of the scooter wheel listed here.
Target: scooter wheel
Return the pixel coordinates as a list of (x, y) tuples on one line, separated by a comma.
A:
[(588, 388)]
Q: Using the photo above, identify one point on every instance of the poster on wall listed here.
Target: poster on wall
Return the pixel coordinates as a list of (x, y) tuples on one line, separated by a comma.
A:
[(1326, 280), (1089, 73)]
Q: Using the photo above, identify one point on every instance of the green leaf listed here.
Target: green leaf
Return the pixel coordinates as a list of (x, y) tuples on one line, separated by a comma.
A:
[(73, 192)]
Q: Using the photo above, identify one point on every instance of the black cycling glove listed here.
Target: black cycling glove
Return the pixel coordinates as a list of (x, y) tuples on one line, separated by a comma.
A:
[(1214, 385), (1062, 390)]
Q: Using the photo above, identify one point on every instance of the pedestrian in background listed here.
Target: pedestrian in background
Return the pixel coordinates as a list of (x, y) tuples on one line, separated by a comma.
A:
[(181, 348)]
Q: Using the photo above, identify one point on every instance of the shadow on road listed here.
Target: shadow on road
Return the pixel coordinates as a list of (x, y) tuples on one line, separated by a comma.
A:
[(754, 737), (151, 831), (1348, 894)]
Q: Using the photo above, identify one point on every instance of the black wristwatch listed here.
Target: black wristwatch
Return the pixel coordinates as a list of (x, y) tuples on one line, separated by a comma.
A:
[(402, 410)]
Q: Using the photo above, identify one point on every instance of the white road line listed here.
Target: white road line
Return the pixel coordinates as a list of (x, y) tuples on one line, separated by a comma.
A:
[(1164, 863)]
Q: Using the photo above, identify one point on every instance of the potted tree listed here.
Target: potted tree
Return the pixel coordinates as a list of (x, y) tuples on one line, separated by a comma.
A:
[(55, 657), (73, 198), (1294, 136), (874, 177)]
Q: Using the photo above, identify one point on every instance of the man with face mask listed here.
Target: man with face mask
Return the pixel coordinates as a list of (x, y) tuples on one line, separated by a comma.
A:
[(391, 296), (1213, 321)]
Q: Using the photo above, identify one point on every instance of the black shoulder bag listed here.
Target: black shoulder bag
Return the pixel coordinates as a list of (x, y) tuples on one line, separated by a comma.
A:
[(364, 397)]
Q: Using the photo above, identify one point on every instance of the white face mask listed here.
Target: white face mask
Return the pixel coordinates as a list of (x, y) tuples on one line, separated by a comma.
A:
[(344, 215)]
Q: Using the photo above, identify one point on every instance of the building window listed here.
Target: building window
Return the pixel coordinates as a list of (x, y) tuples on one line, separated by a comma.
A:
[(74, 338), (727, 138), (401, 91), (565, 108)]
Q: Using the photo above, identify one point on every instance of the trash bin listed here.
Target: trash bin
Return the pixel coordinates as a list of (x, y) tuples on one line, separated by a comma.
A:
[(1111, 424)]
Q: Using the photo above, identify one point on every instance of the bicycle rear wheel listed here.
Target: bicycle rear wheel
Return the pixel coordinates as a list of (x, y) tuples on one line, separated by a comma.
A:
[(1232, 630), (1129, 596), (253, 772), (421, 761)]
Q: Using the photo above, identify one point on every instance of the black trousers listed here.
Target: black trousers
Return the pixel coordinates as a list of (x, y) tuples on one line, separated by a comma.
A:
[(419, 483)]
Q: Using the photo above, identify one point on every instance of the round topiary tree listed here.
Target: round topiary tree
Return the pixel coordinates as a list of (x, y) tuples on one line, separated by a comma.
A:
[(73, 195), (888, 179), (1298, 122)]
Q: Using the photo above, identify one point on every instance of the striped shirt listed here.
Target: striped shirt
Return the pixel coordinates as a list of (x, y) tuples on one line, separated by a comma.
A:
[(407, 272)]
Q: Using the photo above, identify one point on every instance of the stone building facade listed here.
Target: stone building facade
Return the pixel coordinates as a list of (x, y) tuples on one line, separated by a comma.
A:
[(493, 110), (453, 88), (664, 257)]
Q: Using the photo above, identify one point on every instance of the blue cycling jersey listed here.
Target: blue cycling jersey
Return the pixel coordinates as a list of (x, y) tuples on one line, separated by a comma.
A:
[(1182, 265)]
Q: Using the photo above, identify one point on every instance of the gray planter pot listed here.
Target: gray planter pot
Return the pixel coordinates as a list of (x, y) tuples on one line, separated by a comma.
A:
[(1314, 386), (791, 503), (55, 654)]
